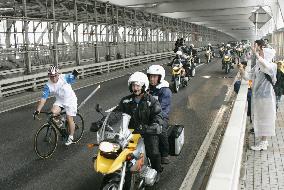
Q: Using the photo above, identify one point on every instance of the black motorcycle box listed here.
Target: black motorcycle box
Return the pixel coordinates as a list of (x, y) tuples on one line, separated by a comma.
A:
[(176, 139)]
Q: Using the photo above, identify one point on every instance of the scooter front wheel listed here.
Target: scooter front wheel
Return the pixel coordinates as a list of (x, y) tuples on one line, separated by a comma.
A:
[(110, 186), (193, 72), (176, 85)]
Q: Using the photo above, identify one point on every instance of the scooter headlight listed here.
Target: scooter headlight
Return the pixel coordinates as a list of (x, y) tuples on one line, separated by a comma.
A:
[(109, 147)]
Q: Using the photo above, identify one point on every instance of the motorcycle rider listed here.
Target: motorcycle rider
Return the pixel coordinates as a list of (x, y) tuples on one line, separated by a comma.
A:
[(210, 48), (222, 49), (228, 52), (159, 89), (184, 48), (181, 57), (146, 116)]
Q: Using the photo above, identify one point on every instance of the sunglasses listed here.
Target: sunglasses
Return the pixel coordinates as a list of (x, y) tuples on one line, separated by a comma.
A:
[(52, 76)]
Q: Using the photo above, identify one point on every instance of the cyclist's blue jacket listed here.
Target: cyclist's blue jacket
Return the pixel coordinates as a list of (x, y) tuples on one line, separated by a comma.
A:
[(62, 90)]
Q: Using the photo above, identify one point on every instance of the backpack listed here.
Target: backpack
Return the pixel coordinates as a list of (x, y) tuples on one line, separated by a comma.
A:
[(279, 82)]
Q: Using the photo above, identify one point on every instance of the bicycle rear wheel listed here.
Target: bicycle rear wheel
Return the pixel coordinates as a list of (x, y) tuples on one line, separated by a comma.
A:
[(79, 128), (45, 141)]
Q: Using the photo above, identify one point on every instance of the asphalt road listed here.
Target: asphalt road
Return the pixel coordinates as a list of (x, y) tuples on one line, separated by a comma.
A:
[(71, 167)]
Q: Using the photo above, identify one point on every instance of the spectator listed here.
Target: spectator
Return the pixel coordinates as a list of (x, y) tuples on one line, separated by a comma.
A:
[(279, 86), (263, 96)]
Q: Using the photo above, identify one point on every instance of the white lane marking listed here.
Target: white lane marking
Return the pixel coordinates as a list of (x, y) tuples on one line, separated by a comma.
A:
[(207, 77), (197, 162), (200, 65)]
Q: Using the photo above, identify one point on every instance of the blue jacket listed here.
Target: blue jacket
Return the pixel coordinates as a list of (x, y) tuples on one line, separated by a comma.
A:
[(164, 96)]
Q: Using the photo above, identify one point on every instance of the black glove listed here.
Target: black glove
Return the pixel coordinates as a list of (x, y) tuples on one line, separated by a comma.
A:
[(95, 126), (75, 73), (35, 114), (153, 129)]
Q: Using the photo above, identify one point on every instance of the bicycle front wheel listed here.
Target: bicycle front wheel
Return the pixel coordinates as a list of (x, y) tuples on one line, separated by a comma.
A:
[(45, 141), (79, 127)]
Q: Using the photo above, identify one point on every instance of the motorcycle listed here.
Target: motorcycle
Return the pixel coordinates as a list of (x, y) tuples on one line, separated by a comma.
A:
[(121, 156), (178, 76), (227, 63), (208, 56), (239, 52), (192, 65), (221, 52)]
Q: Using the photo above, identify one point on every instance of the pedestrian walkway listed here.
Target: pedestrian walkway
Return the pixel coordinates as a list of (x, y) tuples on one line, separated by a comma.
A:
[(264, 170)]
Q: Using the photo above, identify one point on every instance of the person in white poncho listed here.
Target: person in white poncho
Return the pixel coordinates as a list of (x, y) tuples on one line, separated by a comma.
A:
[(263, 95)]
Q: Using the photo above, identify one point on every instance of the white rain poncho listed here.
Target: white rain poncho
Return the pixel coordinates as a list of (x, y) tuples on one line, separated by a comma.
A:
[(263, 96)]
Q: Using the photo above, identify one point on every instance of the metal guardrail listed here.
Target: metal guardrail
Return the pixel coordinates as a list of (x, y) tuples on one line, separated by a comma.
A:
[(226, 170), (12, 86)]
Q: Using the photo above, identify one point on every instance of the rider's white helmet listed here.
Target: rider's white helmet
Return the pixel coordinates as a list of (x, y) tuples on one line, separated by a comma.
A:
[(179, 52), (140, 79), (228, 45), (192, 45), (53, 70), (209, 44), (156, 70)]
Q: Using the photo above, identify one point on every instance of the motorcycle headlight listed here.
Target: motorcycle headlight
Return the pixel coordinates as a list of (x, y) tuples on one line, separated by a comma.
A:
[(208, 52), (176, 68), (109, 147)]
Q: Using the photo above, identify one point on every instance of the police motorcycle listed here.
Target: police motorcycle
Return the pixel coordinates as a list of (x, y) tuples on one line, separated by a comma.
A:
[(121, 155), (178, 73), (227, 63)]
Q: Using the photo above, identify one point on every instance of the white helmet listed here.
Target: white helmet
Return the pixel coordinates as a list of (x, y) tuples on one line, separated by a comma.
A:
[(192, 45), (228, 45), (157, 70), (179, 52), (209, 44), (53, 70), (139, 78)]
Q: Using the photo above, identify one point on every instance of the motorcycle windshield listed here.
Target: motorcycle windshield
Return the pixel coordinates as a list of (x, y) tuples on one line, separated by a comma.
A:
[(116, 127)]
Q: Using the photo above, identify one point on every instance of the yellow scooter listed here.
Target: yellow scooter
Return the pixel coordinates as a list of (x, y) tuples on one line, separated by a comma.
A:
[(178, 76), (121, 155), (227, 63)]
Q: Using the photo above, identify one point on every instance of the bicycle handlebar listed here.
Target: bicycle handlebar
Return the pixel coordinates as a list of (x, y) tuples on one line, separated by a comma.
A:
[(48, 113)]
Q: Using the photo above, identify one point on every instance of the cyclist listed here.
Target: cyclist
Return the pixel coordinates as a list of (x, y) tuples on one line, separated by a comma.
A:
[(60, 86)]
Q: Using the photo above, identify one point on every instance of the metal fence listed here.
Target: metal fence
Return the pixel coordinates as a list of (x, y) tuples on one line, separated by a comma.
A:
[(89, 68)]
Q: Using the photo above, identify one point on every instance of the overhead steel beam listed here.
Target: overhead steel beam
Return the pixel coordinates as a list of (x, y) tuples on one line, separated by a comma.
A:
[(135, 3), (195, 5), (192, 14), (224, 22), (217, 18), (281, 6)]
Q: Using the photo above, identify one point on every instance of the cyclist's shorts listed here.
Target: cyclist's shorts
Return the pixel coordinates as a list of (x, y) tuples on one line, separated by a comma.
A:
[(71, 110)]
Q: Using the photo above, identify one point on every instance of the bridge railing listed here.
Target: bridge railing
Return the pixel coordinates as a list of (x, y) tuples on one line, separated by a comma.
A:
[(12, 86)]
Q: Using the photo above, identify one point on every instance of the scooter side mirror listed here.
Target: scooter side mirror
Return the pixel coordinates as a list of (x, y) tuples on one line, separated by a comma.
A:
[(99, 108)]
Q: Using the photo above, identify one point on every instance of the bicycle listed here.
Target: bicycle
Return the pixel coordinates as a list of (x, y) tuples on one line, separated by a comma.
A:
[(47, 134)]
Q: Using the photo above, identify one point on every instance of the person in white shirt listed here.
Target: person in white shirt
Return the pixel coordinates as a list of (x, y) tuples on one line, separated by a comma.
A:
[(60, 86)]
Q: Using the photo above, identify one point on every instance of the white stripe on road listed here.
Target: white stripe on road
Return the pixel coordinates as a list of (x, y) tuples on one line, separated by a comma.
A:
[(200, 65), (198, 160)]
